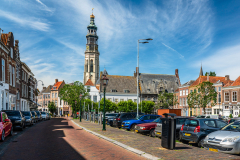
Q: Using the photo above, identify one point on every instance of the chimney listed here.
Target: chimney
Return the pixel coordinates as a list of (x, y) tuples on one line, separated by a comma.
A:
[(135, 73), (227, 77), (176, 73), (56, 80), (16, 43), (207, 76)]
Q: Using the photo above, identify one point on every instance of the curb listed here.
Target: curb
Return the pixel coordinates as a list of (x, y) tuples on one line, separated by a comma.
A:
[(141, 153)]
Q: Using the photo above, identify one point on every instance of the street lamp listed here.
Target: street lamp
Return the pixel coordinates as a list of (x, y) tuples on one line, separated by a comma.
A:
[(80, 114), (105, 83), (145, 41)]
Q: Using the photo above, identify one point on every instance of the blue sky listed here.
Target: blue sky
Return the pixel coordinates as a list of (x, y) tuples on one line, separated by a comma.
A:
[(52, 36)]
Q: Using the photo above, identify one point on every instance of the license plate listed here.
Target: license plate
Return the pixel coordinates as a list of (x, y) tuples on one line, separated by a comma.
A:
[(122, 125), (186, 134), (211, 149), (159, 133), (136, 130)]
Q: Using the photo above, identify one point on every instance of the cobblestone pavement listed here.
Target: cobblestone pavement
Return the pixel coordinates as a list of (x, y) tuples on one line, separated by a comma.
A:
[(152, 145), (60, 139)]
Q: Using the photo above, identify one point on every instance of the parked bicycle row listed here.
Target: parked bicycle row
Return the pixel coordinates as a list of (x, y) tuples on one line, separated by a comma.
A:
[(12, 120), (212, 134)]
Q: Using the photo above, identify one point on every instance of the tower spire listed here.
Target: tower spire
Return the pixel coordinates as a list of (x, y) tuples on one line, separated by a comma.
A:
[(201, 71)]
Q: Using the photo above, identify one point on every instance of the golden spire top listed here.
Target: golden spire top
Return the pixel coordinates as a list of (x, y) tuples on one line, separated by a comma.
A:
[(92, 16)]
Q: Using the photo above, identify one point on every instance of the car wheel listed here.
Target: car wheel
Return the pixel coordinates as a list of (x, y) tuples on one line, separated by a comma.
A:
[(133, 126), (11, 132), (3, 136), (152, 133), (200, 142), (24, 125)]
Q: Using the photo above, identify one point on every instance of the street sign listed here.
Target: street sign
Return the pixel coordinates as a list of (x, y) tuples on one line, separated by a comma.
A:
[(93, 110)]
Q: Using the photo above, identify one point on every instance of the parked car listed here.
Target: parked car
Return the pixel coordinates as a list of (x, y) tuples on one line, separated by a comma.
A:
[(130, 124), (148, 128), (39, 115), (6, 127), (110, 118), (17, 119), (28, 116), (226, 140), (49, 116), (110, 115), (44, 116), (198, 128), (179, 122), (35, 116), (117, 122)]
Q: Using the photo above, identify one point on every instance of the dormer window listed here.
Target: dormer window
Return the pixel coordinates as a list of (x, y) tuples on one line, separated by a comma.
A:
[(126, 91), (114, 90), (54, 87)]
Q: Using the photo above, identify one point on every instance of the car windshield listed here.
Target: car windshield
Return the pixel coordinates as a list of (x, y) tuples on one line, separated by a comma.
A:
[(139, 117), (26, 113), (43, 112), (158, 120), (234, 126), (10, 113), (111, 114)]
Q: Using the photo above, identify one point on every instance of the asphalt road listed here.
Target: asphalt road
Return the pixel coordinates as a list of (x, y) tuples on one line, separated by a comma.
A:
[(60, 139)]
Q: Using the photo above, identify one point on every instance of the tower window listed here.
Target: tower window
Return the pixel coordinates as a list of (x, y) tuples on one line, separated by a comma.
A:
[(91, 66)]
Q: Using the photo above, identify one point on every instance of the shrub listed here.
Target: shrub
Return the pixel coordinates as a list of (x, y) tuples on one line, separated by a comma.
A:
[(230, 116)]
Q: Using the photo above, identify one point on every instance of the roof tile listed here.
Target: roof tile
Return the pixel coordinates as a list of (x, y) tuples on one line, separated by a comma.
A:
[(58, 84), (4, 38), (212, 79), (236, 82), (89, 83)]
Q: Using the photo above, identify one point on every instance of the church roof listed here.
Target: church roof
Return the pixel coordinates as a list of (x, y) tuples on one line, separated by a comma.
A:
[(89, 83), (121, 83), (151, 83), (201, 71)]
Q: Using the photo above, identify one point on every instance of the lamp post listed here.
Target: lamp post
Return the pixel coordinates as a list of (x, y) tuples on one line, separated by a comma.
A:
[(145, 41), (37, 87), (104, 82), (80, 113)]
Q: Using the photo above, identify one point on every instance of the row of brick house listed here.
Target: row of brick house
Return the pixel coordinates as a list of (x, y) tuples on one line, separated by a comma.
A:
[(51, 94), (228, 96), (17, 82)]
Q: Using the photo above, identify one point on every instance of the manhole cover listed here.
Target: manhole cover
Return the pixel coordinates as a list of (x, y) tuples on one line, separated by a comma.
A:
[(14, 141)]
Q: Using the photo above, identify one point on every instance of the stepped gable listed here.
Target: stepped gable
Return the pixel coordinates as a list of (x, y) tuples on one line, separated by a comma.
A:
[(154, 83)]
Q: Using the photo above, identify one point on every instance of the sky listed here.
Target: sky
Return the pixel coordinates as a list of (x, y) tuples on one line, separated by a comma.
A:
[(186, 34)]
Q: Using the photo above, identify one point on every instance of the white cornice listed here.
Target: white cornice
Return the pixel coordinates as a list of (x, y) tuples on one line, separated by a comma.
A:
[(230, 87)]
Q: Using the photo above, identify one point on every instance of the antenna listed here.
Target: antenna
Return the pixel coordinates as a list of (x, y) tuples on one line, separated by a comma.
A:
[(92, 10)]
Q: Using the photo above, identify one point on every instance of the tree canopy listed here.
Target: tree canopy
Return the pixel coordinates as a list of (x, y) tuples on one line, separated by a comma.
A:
[(165, 100), (210, 73), (70, 93), (52, 107), (147, 106), (206, 96)]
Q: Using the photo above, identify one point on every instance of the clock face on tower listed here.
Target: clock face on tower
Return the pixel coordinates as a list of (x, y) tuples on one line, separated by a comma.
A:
[(87, 47)]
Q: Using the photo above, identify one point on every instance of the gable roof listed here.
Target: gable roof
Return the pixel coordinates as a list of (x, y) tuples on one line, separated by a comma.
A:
[(212, 79), (121, 83), (47, 90), (236, 82), (89, 83), (4, 38), (57, 85)]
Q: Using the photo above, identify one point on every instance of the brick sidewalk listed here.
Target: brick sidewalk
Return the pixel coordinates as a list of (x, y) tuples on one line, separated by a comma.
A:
[(153, 145)]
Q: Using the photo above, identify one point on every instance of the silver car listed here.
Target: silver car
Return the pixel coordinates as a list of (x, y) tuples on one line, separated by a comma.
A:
[(226, 140)]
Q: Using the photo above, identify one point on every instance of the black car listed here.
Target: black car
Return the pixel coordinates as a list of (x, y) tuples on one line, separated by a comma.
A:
[(39, 115), (29, 118), (117, 122), (109, 118), (18, 120), (35, 116), (196, 129)]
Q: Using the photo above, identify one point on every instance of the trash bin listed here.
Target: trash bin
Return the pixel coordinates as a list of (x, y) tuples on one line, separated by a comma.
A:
[(168, 131)]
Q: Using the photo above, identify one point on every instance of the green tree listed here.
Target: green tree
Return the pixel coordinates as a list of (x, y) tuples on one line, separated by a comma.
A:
[(165, 100), (230, 116), (109, 105), (205, 96), (70, 93), (127, 106), (210, 74), (52, 107), (147, 106)]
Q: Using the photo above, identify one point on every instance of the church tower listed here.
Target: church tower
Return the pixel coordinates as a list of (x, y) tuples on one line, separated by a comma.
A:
[(91, 67)]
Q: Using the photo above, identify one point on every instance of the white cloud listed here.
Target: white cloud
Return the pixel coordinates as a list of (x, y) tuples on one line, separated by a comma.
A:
[(31, 22), (46, 8), (225, 61)]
